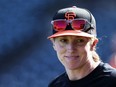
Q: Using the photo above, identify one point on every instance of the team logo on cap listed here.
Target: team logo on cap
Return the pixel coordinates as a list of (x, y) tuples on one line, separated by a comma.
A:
[(70, 15)]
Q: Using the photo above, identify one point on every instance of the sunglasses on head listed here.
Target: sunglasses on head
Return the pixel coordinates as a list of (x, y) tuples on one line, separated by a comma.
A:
[(76, 24)]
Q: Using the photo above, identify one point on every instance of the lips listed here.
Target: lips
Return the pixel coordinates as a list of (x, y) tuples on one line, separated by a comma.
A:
[(72, 57)]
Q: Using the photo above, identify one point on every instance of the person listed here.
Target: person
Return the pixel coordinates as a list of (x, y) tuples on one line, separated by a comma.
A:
[(75, 39)]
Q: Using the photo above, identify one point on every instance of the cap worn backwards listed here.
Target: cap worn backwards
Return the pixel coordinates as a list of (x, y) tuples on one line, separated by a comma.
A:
[(71, 13)]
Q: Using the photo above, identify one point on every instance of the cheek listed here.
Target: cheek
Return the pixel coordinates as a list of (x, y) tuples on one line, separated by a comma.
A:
[(84, 50), (59, 49), (60, 53), (88, 50), (81, 49)]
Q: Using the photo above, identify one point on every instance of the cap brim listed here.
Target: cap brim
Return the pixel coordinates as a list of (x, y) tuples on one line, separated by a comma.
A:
[(71, 33)]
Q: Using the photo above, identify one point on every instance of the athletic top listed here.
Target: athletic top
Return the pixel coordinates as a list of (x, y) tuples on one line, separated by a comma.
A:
[(102, 76)]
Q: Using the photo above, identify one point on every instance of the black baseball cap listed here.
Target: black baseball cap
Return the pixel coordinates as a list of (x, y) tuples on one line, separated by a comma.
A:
[(77, 13)]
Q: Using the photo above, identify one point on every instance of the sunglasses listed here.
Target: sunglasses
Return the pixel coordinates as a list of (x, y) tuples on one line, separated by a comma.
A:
[(76, 24)]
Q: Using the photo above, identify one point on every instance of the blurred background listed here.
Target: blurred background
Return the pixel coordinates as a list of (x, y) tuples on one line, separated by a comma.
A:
[(27, 58)]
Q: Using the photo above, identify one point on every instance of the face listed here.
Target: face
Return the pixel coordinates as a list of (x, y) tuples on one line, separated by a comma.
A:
[(72, 51)]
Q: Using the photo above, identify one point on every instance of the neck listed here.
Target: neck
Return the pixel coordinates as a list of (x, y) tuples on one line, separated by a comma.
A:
[(82, 72)]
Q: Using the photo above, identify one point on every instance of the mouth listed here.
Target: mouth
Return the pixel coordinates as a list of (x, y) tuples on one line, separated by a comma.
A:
[(72, 57)]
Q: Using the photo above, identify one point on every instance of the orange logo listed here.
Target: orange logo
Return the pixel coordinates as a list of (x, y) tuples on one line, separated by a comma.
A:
[(70, 15)]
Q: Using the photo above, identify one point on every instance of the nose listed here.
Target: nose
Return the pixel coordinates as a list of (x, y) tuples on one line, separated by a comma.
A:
[(71, 47)]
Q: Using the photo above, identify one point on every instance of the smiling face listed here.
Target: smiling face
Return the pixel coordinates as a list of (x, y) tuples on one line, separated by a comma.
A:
[(73, 51)]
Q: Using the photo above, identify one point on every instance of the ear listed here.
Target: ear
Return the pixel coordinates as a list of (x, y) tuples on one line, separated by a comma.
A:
[(94, 44)]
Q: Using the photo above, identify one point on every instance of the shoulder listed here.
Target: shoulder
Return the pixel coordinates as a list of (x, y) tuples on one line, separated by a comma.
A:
[(108, 70), (58, 80)]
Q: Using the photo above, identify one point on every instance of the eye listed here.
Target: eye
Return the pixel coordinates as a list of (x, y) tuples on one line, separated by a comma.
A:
[(63, 40), (81, 41)]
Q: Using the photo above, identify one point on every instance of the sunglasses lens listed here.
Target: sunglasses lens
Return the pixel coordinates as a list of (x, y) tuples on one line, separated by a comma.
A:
[(78, 24), (59, 25)]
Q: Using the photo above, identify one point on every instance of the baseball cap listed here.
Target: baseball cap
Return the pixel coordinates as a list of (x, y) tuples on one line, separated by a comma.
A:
[(74, 13)]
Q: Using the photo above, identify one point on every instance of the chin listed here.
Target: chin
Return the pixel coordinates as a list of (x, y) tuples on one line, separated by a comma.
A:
[(73, 67)]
